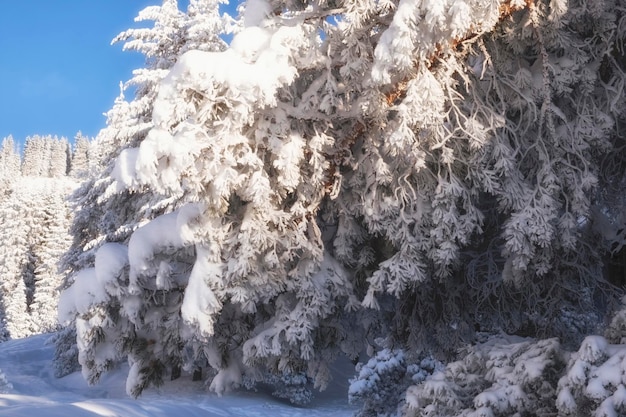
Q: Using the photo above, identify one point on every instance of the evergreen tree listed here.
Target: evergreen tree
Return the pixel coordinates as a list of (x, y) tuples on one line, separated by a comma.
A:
[(128, 122), (45, 156), (53, 242), (35, 220), (14, 268), (79, 166), (33, 156), (59, 150), (425, 169), (9, 164)]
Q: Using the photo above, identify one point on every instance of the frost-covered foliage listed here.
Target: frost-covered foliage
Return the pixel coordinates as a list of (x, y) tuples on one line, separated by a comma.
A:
[(341, 172), (35, 221), (594, 383), (83, 157), (105, 212), (45, 156), (9, 165), (35, 232), (480, 195), (66, 351), (294, 387), (500, 376), (381, 383)]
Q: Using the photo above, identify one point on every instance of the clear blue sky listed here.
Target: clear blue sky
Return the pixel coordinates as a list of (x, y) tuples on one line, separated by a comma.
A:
[(58, 70)]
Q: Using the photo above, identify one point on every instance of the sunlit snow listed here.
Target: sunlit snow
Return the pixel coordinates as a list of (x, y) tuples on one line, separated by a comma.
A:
[(33, 390)]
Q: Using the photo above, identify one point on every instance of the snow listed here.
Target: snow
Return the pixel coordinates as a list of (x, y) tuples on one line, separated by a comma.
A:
[(33, 390), (159, 234), (124, 172), (81, 295), (111, 258), (256, 11), (200, 303)]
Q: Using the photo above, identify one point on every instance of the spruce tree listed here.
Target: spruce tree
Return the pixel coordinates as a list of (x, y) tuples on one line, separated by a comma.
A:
[(102, 193), (59, 154), (79, 165), (9, 165), (53, 242), (15, 255)]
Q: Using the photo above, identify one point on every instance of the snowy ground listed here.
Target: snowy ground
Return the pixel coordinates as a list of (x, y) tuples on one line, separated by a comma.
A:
[(35, 392)]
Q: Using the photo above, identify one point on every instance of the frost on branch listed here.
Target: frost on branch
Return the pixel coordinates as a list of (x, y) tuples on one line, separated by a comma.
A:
[(594, 381), (504, 376), (381, 382), (424, 169), (468, 186), (251, 264)]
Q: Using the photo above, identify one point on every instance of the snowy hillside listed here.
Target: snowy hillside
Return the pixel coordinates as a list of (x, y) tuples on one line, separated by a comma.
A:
[(26, 364)]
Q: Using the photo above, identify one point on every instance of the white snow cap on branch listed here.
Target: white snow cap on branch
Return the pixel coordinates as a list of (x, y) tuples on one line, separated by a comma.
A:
[(249, 74), (200, 303), (421, 27), (167, 232)]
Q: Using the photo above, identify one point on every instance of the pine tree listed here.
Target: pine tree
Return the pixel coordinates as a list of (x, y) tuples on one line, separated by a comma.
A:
[(427, 169)]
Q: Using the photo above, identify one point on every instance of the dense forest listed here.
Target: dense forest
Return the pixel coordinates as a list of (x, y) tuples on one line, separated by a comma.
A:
[(35, 212), (435, 190)]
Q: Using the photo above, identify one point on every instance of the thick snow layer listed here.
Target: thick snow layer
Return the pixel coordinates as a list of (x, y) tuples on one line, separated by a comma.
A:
[(84, 293), (200, 302), (160, 234), (34, 390)]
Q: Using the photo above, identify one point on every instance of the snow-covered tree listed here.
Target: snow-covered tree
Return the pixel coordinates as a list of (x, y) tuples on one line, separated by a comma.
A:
[(503, 376), (53, 242), (381, 384), (15, 257), (59, 155), (593, 383), (128, 122), (34, 234), (45, 156), (9, 164), (79, 166), (425, 169), (33, 156)]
